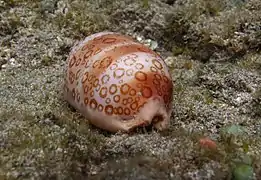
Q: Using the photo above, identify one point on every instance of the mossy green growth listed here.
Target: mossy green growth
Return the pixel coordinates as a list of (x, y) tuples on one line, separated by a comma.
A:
[(236, 144), (46, 60), (51, 150), (10, 24), (16, 3), (256, 106), (207, 28), (47, 6), (235, 137), (243, 172), (251, 61), (233, 130), (208, 97), (12, 3), (177, 50), (188, 65), (80, 21), (145, 3)]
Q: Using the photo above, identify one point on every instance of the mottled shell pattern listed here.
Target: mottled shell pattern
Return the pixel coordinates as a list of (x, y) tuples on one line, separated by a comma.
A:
[(118, 84)]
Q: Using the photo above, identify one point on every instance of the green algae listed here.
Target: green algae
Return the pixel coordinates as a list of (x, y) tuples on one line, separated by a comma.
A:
[(243, 172), (197, 29)]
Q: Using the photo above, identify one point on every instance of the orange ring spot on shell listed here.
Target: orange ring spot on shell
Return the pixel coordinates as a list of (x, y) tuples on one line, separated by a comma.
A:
[(103, 92), (109, 40), (141, 76), (129, 72), (87, 47), (117, 98), (125, 88), (87, 64), (125, 101), (134, 105), (156, 82), (118, 73), (108, 100), (165, 79), (120, 110), (96, 82), (78, 74), (162, 72), (97, 51), (91, 77), (132, 92), (83, 61), (157, 76), (153, 69), (133, 56), (86, 89), (126, 111), (113, 66), (72, 61), (105, 78), (164, 89), (105, 62), (71, 77), (113, 89), (98, 88), (100, 107), (96, 64), (78, 61), (115, 110), (139, 66), (146, 92), (86, 101), (129, 61), (93, 104), (109, 109), (157, 64), (88, 54)]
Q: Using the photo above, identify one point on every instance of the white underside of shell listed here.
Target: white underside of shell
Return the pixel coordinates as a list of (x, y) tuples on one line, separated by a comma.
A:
[(152, 113)]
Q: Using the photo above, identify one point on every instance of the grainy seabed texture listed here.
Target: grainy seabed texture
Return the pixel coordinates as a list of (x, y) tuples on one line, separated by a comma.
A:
[(213, 51)]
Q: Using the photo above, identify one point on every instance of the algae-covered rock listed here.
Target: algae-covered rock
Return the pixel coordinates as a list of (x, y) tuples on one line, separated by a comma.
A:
[(233, 130), (243, 172)]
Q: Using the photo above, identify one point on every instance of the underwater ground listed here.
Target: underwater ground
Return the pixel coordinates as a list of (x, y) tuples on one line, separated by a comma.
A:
[(212, 48)]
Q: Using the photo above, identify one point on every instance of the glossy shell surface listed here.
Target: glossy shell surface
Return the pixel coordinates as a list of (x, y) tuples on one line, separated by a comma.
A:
[(118, 83)]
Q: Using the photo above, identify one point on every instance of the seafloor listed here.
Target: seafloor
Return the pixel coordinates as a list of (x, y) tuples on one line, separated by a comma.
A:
[(213, 50)]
